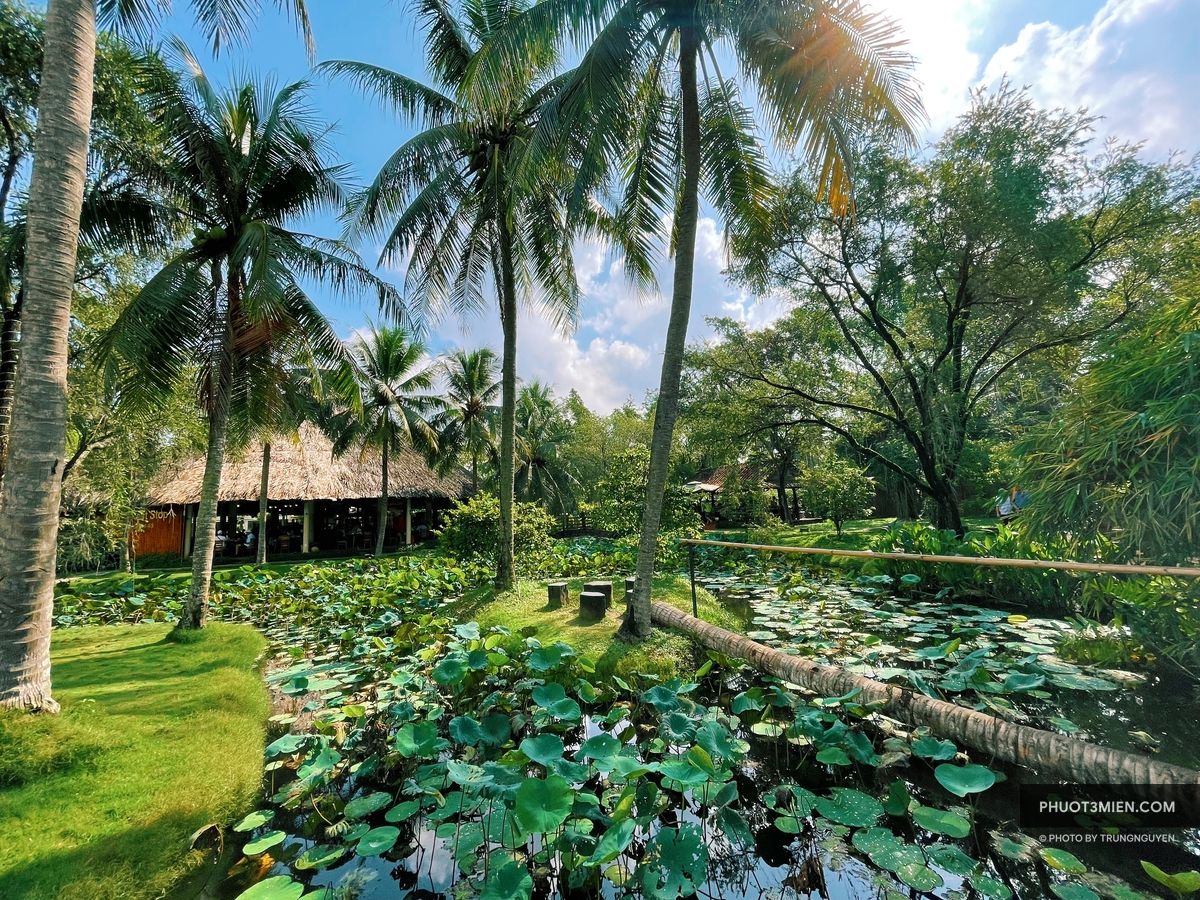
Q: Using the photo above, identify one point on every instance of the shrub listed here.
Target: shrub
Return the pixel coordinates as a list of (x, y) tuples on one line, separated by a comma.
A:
[(473, 528), (837, 491), (621, 496)]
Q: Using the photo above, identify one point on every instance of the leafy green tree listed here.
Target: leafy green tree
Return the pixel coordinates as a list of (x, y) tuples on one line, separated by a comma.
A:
[(393, 406), (241, 165), (32, 488), (741, 500), (543, 432), (467, 426), (620, 497), (958, 270), (459, 207), (1115, 471), (838, 491), (596, 440), (649, 98)]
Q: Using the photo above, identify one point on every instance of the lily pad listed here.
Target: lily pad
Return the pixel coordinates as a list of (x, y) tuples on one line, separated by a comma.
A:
[(543, 804), (277, 887), (378, 840), (964, 780), (848, 806), (941, 821), (1062, 861), (264, 843)]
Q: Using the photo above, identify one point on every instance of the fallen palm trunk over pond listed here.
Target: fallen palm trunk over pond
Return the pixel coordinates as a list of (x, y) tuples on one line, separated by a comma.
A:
[(1051, 755)]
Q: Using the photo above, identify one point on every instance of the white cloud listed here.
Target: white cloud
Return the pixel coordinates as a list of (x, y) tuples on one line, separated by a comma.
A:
[(1133, 63), (939, 35)]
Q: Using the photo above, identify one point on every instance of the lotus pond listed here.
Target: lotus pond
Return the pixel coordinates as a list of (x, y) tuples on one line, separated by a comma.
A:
[(421, 756)]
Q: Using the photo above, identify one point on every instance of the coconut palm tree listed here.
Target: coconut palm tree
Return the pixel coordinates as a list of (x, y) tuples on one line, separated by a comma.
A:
[(393, 406), (240, 165), (32, 488), (466, 429), (458, 207), (543, 432), (650, 93)]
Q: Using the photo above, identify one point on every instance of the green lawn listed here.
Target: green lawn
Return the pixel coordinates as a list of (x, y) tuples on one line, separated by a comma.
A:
[(856, 534), (665, 653), (155, 740)]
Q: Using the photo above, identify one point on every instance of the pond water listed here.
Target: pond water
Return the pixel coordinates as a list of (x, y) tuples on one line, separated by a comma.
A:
[(999, 661)]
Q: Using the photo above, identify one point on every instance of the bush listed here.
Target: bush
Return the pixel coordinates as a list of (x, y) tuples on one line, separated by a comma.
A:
[(473, 528), (837, 491), (621, 496)]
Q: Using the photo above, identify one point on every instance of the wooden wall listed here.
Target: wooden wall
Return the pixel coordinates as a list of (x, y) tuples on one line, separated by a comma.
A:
[(163, 532)]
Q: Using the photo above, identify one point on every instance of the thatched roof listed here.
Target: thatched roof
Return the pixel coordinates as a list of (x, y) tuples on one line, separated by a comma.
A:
[(307, 470)]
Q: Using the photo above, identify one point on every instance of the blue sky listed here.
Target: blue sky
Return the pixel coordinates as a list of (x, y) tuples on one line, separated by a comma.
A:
[(1132, 61)]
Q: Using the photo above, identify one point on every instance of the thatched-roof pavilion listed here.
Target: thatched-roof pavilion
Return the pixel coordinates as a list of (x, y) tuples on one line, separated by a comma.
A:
[(317, 501)]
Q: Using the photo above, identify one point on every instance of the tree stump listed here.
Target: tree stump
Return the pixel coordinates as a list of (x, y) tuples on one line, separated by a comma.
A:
[(601, 587), (592, 606), (557, 594), (630, 585)]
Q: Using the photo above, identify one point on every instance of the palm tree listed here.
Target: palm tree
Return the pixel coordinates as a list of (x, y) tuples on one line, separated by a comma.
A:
[(393, 405), (32, 488), (543, 431), (239, 166), (459, 208), (650, 94), (467, 426)]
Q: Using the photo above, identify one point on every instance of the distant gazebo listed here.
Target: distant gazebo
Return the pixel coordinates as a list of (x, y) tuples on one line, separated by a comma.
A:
[(317, 502)]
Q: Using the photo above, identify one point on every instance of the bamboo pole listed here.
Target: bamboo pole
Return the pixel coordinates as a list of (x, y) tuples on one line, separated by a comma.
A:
[(1051, 755), (994, 561)]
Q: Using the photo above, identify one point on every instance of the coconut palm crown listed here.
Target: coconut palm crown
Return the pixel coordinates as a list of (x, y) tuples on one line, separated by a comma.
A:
[(240, 166), (457, 205)]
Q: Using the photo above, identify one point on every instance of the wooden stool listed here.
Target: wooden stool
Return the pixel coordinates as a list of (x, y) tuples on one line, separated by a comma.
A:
[(557, 594), (601, 587), (592, 605)]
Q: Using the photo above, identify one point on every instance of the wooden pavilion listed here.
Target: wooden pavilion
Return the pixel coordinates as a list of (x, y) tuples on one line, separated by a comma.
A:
[(317, 502)]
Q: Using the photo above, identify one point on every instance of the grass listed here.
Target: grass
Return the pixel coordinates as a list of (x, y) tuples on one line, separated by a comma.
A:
[(666, 653), (856, 534), (155, 740)]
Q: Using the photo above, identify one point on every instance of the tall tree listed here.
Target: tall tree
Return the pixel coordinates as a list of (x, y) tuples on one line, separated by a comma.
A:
[(459, 207), (543, 433), (393, 406), (240, 165), (32, 488), (466, 428), (650, 98), (1012, 240)]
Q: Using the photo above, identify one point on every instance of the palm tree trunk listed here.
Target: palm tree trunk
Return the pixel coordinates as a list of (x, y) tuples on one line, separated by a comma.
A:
[(263, 499), (32, 483), (1051, 755), (474, 472), (508, 410), (382, 512), (637, 622), (9, 350), (195, 614)]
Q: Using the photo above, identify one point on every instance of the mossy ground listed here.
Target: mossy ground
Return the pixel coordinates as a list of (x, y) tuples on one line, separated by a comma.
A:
[(155, 739), (666, 653)]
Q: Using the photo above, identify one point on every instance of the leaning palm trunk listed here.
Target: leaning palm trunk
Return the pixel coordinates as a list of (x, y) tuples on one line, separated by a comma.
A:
[(508, 411), (263, 498), (195, 614), (382, 509), (1050, 755), (637, 620), (33, 481)]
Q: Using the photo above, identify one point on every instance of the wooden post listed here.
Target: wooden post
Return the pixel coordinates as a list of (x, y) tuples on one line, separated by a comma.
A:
[(407, 521), (307, 531), (557, 594), (592, 605), (604, 588), (189, 523)]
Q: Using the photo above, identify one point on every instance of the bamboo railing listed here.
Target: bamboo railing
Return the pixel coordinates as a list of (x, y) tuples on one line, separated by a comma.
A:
[(1062, 565)]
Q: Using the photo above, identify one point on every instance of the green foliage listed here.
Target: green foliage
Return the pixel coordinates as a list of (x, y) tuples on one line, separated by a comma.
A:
[(472, 528), (1113, 474), (838, 491), (620, 497), (741, 501)]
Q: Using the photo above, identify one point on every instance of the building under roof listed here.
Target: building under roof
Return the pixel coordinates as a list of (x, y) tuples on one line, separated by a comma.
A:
[(317, 501)]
